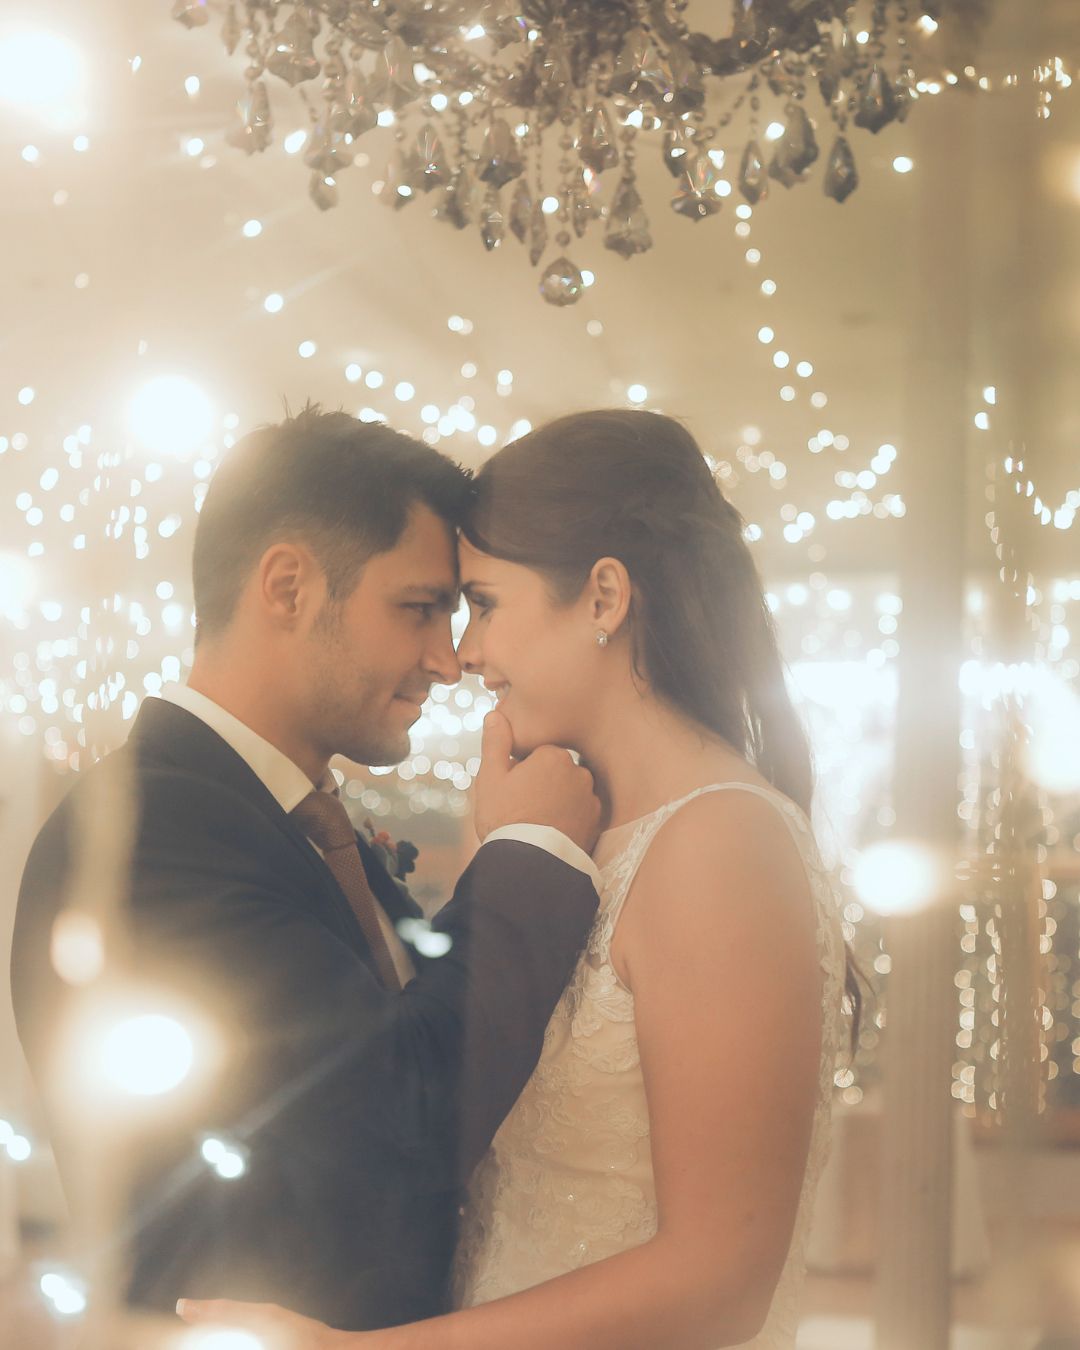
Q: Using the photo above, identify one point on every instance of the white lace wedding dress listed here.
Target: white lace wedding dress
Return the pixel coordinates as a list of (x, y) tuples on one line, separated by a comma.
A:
[(568, 1179)]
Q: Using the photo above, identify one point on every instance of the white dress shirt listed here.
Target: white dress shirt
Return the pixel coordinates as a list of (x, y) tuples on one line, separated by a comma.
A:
[(288, 784)]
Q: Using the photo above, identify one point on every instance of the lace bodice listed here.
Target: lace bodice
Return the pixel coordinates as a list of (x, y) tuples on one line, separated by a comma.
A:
[(568, 1179)]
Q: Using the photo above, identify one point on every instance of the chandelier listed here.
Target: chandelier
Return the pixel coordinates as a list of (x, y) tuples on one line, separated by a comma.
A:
[(526, 117)]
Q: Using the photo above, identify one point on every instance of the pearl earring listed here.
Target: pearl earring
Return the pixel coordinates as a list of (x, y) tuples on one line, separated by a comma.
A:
[(601, 638)]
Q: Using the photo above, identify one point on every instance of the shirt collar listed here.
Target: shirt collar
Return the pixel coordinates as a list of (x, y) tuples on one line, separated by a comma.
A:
[(286, 782)]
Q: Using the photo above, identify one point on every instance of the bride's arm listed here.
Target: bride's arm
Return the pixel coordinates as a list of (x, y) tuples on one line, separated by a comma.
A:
[(718, 943)]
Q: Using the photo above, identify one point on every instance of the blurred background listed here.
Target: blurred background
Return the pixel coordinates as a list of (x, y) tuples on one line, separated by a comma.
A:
[(886, 389)]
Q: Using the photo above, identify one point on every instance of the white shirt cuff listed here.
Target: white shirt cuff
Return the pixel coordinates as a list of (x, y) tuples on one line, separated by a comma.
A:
[(551, 841)]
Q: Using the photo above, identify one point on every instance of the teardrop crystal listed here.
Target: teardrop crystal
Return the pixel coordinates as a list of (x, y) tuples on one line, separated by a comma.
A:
[(500, 155), (430, 157), (596, 144), (753, 183), (538, 234), (561, 283), (521, 205), (292, 56), (841, 175), (696, 197), (457, 204), (492, 222), (255, 121), (393, 85), (628, 225), (323, 191), (876, 105)]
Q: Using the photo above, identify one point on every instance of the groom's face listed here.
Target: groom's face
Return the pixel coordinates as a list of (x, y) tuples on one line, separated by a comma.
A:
[(375, 654)]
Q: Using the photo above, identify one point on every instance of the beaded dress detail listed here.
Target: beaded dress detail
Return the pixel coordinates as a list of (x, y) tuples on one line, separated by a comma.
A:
[(568, 1179)]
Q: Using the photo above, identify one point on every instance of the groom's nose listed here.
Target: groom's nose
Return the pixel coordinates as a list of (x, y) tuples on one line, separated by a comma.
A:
[(440, 660)]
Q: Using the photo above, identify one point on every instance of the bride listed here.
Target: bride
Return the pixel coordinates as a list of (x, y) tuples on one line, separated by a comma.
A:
[(652, 1188)]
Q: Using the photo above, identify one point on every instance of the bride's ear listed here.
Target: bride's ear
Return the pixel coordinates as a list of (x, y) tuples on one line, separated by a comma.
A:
[(608, 591)]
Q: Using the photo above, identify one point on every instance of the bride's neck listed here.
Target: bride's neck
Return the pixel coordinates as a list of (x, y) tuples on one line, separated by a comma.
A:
[(642, 753)]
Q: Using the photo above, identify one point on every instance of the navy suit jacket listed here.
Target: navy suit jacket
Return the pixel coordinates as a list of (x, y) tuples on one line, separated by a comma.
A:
[(362, 1111)]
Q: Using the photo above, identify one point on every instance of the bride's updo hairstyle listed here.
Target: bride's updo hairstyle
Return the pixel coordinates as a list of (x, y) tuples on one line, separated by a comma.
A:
[(634, 485)]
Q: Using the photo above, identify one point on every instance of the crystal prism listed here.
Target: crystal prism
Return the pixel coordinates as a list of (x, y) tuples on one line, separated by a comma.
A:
[(323, 191), (231, 30), (839, 63), (596, 144), (906, 92), (581, 209), (352, 111), (876, 104), (430, 160), (799, 143), (538, 234), (191, 13), (397, 190), (292, 57), (696, 197), (256, 123), (561, 283), (393, 85), (679, 144), (457, 204), (492, 222), (521, 205), (687, 90), (780, 168), (328, 152), (753, 183), (841, 175), (500, 155), (640, 71), (628, 225)]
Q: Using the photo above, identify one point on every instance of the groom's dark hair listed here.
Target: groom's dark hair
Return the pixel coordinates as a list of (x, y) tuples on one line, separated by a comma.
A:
[(343, 486)]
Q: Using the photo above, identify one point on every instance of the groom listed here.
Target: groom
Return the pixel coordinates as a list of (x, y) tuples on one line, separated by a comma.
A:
[(361, 1082)]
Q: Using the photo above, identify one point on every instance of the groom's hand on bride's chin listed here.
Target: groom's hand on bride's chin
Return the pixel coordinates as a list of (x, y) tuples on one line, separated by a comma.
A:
[(547, 788)]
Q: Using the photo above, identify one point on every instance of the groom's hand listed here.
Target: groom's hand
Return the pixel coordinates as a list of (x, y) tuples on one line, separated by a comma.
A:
[(547, 788)]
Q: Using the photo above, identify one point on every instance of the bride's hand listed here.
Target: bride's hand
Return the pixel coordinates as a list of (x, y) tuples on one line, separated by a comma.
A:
[(277, 1328)]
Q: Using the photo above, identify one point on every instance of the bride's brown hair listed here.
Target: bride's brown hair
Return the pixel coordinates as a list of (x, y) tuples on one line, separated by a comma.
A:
[(634, 485)]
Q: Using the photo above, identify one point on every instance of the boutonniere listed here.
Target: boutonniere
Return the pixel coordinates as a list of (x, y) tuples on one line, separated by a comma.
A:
[(399, 858)]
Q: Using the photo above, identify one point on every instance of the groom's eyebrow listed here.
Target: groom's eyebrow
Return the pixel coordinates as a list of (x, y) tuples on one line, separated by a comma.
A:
[(442, 596)]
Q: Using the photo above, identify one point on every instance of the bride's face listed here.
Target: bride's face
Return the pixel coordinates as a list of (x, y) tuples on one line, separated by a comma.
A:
[(535, 655)]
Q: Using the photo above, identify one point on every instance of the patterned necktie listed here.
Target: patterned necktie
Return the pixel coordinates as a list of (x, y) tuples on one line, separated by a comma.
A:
[(325, 821)]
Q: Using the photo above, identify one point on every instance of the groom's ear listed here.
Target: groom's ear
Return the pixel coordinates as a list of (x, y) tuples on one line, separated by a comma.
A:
[(609, 591), (290, 583)]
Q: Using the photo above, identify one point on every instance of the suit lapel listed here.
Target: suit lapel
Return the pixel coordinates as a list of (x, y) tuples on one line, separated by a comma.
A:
[(163, 731)]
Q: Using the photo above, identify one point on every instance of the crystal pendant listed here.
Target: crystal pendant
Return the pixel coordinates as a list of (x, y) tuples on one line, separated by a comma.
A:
[(323, 191), (292, 57), (679, 145), (393, 85), (503, 22), (799, 142), (362, 28), (780, 168), (256, 123), (231, 30), (581, 209), (492, 223), (500, 154), (561, 283), (352, 111), (521, 205), (596, 144), (430, 160), (457, 204), (841, 175), (904, 87), (328, 152), (628, 225), (696, 197), (640, 71), (687, 91), (839, 63), (753, 183), (538, 234), (397, 190), (876, 105), (191, 13)]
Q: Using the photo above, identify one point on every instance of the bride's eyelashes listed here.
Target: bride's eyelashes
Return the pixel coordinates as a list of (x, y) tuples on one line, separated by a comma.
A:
[(480, 604)]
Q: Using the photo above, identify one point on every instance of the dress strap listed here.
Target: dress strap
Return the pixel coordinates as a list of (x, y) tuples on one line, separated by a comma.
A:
[(650, 826)]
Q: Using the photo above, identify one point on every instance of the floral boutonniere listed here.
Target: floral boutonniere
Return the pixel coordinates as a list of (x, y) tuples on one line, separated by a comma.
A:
[(399, 858)]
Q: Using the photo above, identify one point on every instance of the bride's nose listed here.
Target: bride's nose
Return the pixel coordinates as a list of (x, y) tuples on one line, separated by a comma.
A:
[(469, 652)]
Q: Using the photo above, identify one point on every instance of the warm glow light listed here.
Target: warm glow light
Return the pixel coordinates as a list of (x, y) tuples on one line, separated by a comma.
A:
[(77, 947), (1052, 755), (895, 877), (41, 71), (171, 416), (219, 1338), (16, 586), (147, 1055), (637, 393)]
